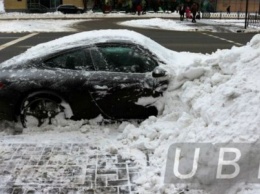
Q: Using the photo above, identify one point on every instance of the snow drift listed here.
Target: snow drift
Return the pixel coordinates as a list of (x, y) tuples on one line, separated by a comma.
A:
[(221, 105)]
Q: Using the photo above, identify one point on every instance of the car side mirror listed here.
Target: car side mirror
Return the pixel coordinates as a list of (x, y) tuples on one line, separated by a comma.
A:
[(158, 72)]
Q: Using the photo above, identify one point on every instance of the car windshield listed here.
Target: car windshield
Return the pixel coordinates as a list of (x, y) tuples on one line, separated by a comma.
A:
[(122, 58)]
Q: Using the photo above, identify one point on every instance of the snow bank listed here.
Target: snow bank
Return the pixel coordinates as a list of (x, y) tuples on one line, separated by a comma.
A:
[(2, 8), (159, 23), (186, 25), (221, 105), (50, 25)]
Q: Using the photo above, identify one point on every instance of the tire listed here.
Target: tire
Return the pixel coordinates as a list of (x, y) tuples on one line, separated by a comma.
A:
[(42, 110)]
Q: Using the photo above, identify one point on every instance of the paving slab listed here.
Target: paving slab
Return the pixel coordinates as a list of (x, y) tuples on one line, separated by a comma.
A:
[(64, 169)]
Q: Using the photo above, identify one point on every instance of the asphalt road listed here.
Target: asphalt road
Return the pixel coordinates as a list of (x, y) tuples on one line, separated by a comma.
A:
[(199, 42)]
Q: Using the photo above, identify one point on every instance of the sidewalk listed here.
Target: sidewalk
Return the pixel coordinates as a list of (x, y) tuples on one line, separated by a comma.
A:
[(88, 15), (95, 15), (64, 168)]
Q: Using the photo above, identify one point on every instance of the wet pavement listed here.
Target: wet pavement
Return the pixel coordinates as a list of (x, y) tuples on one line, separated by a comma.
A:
[(64, 169)]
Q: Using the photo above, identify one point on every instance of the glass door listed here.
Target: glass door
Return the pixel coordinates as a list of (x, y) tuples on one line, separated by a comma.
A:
[(55, 3)]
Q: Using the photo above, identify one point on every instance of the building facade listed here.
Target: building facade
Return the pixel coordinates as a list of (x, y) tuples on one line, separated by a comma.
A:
[(24, 5), (126, 5), (238, 5)]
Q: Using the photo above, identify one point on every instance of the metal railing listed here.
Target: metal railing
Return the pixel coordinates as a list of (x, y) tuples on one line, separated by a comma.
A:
[(253, 20), (223, 15)]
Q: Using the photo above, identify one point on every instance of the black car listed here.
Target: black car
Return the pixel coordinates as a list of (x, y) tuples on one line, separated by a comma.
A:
[(84, 79), (69, 9)]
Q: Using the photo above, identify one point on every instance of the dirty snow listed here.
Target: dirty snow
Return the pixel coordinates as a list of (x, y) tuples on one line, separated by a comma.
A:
[(39, 26), (61, 25), (159, 23), (211, 98), (232, 25), (22, 22)]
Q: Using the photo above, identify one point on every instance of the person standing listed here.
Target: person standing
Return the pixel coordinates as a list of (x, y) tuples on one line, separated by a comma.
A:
[(194, 9), (181, 11), (228, 9), (139, 8), (187, 11)]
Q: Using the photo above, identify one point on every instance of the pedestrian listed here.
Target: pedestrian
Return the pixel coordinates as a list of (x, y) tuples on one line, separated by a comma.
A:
[(194, 9), (139, 9), (187, 11), (181, 11), (228, 9)]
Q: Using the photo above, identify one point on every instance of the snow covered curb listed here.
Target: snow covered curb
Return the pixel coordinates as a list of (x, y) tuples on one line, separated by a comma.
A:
[(57, 25), (88, 15)]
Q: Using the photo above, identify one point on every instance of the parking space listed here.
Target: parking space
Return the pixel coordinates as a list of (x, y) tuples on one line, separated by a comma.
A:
[(8, 41), (7, 37), (14, 44)]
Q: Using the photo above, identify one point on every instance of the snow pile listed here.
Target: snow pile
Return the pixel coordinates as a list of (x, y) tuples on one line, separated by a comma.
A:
[(168, 24), (2, 8), (220, 105), (186, 25), (159, 23), (58, 25), (87, 15)]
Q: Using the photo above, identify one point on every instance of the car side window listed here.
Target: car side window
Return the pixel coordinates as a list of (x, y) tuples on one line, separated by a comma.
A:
[(75, 60), (122, 58)]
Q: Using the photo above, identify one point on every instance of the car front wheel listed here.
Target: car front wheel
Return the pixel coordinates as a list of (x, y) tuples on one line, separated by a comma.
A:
[(41, 110)]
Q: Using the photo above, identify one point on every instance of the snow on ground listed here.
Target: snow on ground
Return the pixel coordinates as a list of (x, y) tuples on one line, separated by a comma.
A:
[(2, 9), (211, 98), (186, 25), (61, 25), (19, 26), (159, 23)]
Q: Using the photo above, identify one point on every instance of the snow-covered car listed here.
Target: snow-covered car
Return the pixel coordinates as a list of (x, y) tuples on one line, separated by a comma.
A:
[(82, 76), (69, 9)]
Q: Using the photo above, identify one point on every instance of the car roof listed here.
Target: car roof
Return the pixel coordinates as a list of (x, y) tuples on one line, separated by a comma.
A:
[(86, 39)]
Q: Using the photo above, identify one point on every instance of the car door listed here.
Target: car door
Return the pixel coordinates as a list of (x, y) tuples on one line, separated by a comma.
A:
[(73, 70), (123, 80)]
